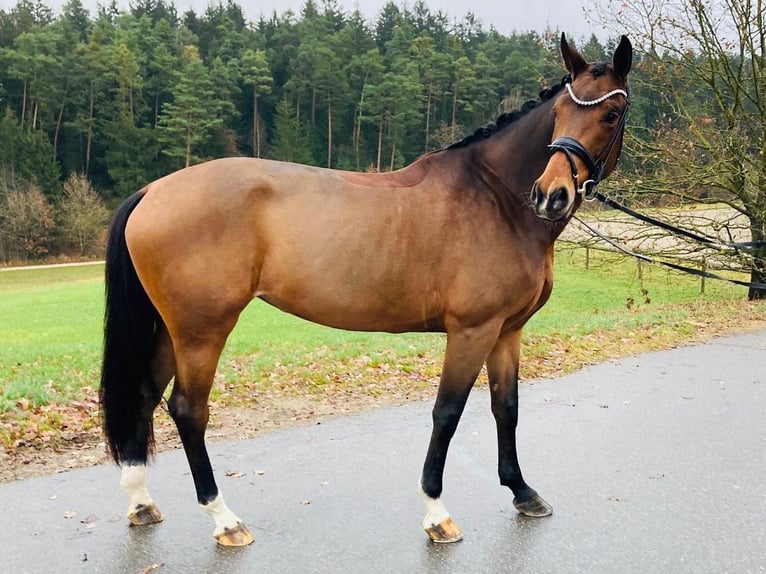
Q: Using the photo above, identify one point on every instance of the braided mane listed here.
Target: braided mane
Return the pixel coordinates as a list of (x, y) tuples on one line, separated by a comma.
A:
[(505, 119)]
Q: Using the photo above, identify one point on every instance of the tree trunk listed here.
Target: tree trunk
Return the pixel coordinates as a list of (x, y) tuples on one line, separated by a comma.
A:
[(358, 124), (428, 115), (454, 112), (313, 108), (89, 140), (329, 134), (58, 120), (380, 144), (256, 135), (156, 108), (24, 104), (758, 272), (130, 103), (188, 140)]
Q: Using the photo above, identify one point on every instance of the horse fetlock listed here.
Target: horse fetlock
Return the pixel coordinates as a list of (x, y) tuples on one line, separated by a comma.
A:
[(229, 529), (141, 508), (437, 523)]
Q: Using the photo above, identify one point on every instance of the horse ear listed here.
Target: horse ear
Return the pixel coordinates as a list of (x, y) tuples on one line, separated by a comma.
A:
[(623, 58), (572, 59)]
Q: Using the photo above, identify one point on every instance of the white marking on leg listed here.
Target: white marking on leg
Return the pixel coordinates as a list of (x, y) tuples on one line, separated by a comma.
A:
[(133, 482), (436, 512), (223, 517)]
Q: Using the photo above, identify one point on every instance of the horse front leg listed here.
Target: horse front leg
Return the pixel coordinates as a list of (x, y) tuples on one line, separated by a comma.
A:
[(188, 405), (503, 370), (463, 359)]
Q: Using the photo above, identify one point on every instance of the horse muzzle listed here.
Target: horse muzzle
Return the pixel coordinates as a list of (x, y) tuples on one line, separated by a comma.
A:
[(553, 205)]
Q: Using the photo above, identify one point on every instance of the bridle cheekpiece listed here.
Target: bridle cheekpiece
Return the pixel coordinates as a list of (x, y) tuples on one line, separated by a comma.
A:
[(571, 147)]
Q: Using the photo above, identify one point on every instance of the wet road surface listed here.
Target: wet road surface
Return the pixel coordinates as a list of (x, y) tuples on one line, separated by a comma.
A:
[(653, 464)]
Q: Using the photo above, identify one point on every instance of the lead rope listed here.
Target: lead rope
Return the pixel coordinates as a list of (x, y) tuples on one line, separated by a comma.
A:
[(675, 266)]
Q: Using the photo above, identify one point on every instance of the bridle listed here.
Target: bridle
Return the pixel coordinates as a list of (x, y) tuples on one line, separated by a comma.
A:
[(571, 147)]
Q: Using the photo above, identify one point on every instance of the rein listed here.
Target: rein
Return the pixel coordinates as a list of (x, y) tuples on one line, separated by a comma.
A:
[(674, 266), (698, 237), (571, 147)]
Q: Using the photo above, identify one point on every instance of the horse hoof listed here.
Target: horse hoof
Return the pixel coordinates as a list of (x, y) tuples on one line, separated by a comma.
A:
[(535, 507), (144, 514), (445, 532), (237, 536)]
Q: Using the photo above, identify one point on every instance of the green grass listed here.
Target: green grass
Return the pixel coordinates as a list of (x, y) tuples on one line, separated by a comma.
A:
[(49, 332), (619, 292), (50, 327)]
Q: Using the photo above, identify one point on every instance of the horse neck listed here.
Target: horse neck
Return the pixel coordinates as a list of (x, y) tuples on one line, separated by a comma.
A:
[(512, 159), (519, 153)]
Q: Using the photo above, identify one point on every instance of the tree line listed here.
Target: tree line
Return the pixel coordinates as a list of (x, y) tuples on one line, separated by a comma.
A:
[(124, 97)]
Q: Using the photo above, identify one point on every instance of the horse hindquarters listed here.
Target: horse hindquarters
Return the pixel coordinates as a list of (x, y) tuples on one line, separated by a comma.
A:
[(142, 352)]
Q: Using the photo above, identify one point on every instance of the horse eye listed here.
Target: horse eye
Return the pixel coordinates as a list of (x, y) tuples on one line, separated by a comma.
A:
[(611, 117)]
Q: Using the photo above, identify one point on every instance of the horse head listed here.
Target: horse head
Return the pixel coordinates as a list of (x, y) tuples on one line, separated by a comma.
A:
[(587, 135)]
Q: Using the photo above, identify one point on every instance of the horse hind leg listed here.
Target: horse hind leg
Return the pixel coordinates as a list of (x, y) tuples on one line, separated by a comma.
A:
[(141, 507), (188, 405)]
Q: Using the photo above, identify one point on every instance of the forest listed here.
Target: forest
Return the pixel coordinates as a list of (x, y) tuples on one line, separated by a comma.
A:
[(94, 106)]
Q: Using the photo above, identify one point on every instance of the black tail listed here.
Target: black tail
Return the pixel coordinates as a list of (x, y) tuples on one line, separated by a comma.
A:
[(128, 393)]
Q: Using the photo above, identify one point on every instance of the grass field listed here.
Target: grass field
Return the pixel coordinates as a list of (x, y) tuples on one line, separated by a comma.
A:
[(50, 335)]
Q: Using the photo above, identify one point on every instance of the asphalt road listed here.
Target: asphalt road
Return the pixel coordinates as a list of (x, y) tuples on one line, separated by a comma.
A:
[(653, 464)]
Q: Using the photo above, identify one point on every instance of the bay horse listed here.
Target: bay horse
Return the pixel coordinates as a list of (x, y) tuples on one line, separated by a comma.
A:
[(460, 242)]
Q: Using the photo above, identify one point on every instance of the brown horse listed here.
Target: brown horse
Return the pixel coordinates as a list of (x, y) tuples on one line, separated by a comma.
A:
[(452, 243)]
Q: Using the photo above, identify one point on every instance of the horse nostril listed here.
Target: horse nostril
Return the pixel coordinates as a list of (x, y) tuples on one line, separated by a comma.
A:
[(535, 195), (558, 200)]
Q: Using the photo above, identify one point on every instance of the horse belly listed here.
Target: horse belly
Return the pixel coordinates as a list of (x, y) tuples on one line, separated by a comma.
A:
[(357, 300)]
